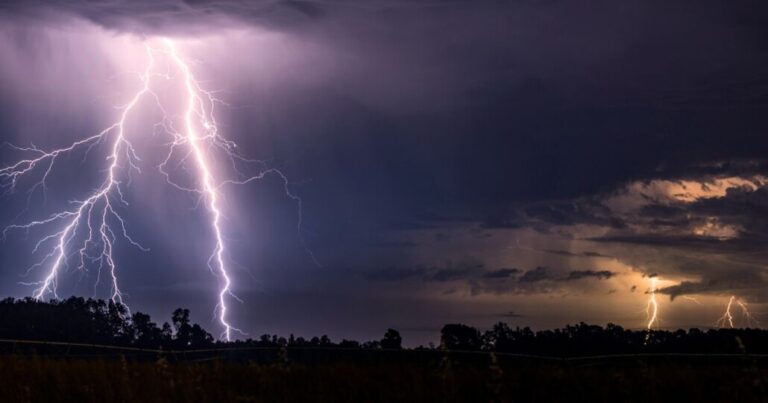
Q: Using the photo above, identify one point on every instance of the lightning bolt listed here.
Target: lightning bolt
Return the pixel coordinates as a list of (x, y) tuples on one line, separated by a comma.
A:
[(745, 312), (97, 214), (728, 316), (652, 307), (692, 299), (195, 109), (94, 211)]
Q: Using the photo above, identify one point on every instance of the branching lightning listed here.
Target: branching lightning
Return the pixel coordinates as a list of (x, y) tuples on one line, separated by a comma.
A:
[(692, 299), (195, 108), (727, 318), (94, 211), (750, 320), (97, 214)]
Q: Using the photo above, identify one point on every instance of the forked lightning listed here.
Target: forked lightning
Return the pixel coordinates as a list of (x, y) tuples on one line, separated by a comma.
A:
[(97, 217)]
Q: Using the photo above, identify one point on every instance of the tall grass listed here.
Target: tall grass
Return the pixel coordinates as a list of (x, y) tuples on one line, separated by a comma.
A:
[(38, 379)]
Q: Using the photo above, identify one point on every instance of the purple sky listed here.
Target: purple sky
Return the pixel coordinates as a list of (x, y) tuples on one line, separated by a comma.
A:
[(467, 161)]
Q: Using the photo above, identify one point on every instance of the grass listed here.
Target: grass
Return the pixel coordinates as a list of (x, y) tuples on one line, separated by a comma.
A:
[(501, 379)]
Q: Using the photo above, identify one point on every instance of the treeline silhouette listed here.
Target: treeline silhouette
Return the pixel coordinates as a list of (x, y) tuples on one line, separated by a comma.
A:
[(92, 321)]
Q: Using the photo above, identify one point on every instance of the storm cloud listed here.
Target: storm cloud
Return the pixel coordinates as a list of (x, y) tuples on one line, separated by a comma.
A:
[(447, 154)]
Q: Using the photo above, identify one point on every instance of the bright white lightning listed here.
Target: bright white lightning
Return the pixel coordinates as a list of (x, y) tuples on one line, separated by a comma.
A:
[(97, 215), (99, 204), (194, 106)]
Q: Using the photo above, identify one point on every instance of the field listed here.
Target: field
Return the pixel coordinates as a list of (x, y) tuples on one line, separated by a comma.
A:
[(87, 351), (404, 376)]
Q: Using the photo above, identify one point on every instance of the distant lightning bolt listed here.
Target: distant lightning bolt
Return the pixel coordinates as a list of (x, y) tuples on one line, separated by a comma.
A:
[(652, 308), (745, 312), (97, 214), (692, 299), (727, 317)]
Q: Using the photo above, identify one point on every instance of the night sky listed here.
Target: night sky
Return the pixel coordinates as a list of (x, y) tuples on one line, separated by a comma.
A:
[(533, 161)]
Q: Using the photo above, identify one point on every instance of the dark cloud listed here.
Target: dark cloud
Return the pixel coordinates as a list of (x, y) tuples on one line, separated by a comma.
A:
[(394, 273), (570, 213), (749, 284), (164, 16), (688, 242), (453, 274), (595, 254), (543, 274), (582, 274), (680, 88), (575, 254), (535, 275), (479, 280), (501, 273)]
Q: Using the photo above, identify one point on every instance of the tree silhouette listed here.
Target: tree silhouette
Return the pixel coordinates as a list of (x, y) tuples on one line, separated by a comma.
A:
[(180, 320), (392, 340), (146, 332), (460, 337), (97, 322)]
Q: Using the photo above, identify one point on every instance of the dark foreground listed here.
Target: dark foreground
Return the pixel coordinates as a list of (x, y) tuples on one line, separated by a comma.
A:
[(452, 378), (79, 350)]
